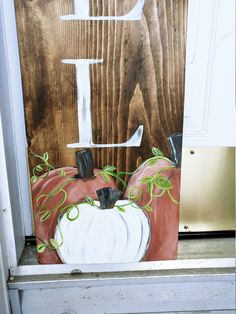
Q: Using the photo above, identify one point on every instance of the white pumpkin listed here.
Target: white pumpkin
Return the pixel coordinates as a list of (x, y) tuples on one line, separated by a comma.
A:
[(104, 235)]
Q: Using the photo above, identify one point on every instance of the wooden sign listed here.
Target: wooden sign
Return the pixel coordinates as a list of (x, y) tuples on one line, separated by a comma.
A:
[(104, 74)]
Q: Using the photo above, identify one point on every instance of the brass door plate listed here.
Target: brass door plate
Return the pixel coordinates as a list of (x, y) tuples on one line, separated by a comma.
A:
[(207, 189)]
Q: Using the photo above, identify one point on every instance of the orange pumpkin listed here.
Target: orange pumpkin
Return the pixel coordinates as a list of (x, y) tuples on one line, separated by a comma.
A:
[(47, 209), (164, 217)]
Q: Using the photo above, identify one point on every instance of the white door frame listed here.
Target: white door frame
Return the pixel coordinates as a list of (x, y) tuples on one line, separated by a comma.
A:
[(13, 127), (4, 299), (7, 255)]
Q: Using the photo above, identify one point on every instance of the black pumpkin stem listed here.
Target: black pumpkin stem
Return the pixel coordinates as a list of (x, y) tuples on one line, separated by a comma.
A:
[(108, 197), (85, 164), (175, 143)]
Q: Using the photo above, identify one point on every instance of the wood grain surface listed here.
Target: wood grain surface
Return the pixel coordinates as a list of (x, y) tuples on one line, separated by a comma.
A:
[(141, 80)]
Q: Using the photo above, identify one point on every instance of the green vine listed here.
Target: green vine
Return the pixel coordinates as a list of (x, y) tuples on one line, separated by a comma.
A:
[(54, 244), (43, 169), (156, 180)]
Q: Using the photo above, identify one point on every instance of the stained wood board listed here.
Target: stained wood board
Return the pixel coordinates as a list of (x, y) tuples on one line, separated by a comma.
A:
[(140, 82)]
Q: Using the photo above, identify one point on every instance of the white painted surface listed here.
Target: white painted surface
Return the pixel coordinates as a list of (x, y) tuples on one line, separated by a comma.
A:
[(84, 108), (12, 113), (141, 293), (4, 299), (150, 287), (14, 296), (193, 264), (81, 12), (4, 265), (7, 232), (103, 235), (210, 112)]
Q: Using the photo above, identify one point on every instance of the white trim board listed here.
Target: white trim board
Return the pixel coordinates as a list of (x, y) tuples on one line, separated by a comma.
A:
[(7, 233), (4, 300), (127, 293), (12, 109), (54, 269), (13, 126)]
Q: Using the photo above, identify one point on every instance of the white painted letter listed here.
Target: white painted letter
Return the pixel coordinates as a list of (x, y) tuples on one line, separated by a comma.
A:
[(84, 109), (81, 12)]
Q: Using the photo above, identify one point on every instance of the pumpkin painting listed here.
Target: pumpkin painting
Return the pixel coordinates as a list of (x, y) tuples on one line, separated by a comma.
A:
[(56, 193), (108, 231), (71, 226)]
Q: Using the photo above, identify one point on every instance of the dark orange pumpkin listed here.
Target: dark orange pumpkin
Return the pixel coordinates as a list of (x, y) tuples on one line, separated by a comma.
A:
[(164, 217), (84, 184)]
